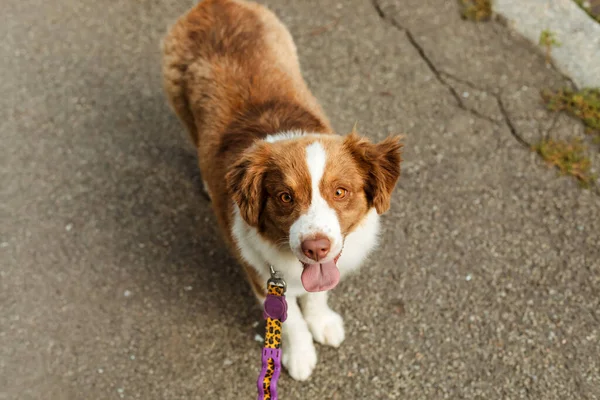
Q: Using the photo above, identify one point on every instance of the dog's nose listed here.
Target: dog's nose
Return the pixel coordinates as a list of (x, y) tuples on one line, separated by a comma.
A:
[(316, 249)]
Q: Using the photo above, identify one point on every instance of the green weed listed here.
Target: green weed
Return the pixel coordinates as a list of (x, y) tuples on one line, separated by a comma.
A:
[(548, 41), (476, 10), (568, 156), (583, 104)]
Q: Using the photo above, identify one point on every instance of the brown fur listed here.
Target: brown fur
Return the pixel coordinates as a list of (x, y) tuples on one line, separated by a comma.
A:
[(367, 171), (222, 67), (379, 165), (224, 62), (232, 76)]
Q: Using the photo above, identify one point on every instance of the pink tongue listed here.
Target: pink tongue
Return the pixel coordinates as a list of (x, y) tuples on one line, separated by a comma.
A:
[(319, 277)]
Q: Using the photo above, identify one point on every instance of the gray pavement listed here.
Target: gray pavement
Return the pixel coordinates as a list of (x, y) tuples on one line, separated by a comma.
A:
[(114, 282), (578, 54)]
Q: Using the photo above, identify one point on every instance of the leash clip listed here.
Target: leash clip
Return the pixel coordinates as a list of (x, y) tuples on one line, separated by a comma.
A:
[(276, 279)]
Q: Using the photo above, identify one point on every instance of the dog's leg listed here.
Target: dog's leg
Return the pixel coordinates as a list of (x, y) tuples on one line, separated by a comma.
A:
[(326, 326), (299, 354)]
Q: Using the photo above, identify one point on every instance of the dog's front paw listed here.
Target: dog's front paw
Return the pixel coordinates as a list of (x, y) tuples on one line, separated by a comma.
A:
[(327, 327), (299, 358)]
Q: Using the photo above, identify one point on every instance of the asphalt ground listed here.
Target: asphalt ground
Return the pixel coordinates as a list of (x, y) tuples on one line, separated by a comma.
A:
[(114, 282)]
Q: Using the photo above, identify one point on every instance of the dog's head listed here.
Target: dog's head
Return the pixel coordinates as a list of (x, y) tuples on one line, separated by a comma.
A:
[(306, 193)]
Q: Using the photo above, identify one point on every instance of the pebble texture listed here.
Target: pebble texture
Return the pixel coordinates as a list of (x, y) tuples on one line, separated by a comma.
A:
[(114, 282)]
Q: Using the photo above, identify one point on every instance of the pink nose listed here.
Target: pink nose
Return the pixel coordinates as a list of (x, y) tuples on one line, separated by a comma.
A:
[(316, 249)]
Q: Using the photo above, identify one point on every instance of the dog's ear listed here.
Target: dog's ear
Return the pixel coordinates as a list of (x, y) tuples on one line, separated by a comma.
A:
[(380, 166), (245, 182)]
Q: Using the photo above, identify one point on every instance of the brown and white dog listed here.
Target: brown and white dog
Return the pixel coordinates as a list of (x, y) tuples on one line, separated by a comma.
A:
[(286, 190)]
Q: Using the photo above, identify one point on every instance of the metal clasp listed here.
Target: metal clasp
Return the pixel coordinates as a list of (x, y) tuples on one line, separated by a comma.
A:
[(276, 279)]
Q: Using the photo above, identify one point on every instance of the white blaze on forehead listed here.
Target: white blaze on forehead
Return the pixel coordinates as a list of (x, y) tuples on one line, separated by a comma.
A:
[(316, 158), (320, 218)]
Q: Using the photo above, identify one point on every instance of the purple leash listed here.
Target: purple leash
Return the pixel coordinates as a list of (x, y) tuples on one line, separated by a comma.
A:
[(275, 312)]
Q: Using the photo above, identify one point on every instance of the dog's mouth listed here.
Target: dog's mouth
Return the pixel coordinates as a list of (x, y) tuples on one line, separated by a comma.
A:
[(321, 276)]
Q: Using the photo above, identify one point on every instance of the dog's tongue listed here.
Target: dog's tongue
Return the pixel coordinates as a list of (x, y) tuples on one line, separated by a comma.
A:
[(320, 277)]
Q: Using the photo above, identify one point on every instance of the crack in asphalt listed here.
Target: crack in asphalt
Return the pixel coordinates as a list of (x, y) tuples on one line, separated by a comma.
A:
[(503, 111), (436, 72), (509, 123), (466, 83), (441, 75)]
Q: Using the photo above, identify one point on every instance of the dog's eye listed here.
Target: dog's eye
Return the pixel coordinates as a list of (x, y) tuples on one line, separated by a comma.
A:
[(285, 197), (340, 193)]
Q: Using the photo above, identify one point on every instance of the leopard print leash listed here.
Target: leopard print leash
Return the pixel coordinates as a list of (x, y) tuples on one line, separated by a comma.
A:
[(275, 312)]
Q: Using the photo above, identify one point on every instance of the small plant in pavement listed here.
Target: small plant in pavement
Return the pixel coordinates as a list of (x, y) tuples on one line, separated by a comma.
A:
[(548, 41), (476, 10), (583, 104), (568, 156)]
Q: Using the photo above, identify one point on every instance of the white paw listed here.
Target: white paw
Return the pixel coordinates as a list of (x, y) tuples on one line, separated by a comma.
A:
[(299, 358), (327, 327)]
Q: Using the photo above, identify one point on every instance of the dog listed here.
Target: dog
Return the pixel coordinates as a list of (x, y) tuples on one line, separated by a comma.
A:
[(286, 190)]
